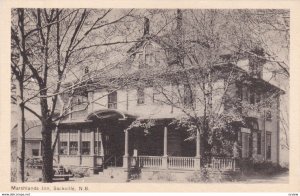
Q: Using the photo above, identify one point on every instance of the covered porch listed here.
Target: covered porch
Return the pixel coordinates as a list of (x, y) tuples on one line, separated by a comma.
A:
[(103, 140)]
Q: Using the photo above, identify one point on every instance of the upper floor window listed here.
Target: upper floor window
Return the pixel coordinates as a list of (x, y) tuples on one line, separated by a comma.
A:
[(187, 96), (147, 58), (79, 106), (156, 95), (112, 100), (140, 96), (268, 115)]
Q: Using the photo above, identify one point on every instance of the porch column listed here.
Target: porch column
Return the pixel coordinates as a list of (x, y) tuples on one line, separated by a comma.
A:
[(92, 142), (165, 157), (198, 144), (126, 154), (165, 141), (68, 150), (197, 157), (79, 147), (79, 142), (102, 148)]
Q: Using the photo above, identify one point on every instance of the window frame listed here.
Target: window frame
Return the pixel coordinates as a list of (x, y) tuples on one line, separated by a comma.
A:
[(188, 97), (140, 93), (63, 147), (85, 147), (112, 100), (258, 142), (73, 149)]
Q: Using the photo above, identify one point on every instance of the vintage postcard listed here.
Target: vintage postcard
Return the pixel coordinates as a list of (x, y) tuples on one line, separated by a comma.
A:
[(149, 96)]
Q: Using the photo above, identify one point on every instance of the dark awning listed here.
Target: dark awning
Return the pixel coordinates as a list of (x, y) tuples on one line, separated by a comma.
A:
[(110, 114)]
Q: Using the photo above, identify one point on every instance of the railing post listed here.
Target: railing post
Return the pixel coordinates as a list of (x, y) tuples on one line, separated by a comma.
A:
[(165, 157), (197, 157)]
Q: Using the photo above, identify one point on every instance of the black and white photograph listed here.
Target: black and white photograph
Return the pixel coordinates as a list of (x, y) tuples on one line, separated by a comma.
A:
[(132, 95)]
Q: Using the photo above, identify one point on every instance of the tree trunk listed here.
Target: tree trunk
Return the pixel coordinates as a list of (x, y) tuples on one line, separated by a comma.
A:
[(47, 154), (20, 133), (47, 151)]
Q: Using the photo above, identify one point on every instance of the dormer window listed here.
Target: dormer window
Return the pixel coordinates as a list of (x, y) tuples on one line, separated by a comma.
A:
[(147, 58)]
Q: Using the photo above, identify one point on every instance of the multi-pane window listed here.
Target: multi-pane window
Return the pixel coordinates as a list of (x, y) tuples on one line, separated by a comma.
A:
[(63, 145), (85, 142), (79, 104), (187, 96), (268, 144), (74, 142), (140, 96), (63, 148), (258, 142), (86, 148), (147, 58), (73, 148), (156, 98), (112, 100)]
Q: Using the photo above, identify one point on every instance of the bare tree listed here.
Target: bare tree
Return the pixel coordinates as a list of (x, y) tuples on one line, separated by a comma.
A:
[(201, 71), (55, 42)]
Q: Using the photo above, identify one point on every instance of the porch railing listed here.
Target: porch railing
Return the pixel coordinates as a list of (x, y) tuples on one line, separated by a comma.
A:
[(181, 162), (150, 161), (185, 163), (221, 163)]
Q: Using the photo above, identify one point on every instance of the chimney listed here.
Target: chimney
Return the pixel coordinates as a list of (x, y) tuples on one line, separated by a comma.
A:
[(179, 19), (146, 26)]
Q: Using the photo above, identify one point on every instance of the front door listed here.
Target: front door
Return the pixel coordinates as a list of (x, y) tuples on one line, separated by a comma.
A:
[(113, 148)]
